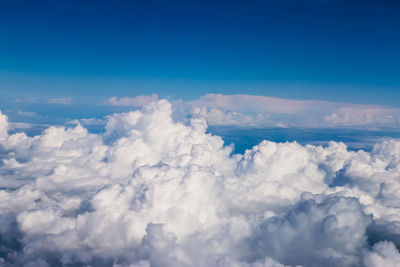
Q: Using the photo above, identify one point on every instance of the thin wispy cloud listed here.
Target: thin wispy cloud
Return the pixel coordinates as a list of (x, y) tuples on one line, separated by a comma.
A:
[(137, 101), (26, 100), (60, 101), (26, 113)]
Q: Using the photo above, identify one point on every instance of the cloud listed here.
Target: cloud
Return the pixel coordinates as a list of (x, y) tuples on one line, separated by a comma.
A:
[(262, 111), (330, 232), (26, 100), (87, 122), (383, 254), (60, 101), (152, 191), (26, 113), (363, 115), (257, 103), (3, 126), (138, 101)]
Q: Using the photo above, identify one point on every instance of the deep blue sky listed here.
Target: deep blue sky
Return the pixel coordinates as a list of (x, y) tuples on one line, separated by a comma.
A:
[(321, 49)]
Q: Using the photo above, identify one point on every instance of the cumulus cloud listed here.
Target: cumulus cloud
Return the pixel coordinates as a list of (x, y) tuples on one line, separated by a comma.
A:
[(137, 101), (151, 191), (60, 101), (382, 254)]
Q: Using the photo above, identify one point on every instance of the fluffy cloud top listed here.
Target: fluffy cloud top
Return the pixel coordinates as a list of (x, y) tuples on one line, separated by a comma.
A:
[(151, 191)]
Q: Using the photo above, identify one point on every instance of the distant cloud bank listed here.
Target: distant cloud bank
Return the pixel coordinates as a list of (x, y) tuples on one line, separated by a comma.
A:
[(263, 111), (151, 191), (234, 110), (271, 111)]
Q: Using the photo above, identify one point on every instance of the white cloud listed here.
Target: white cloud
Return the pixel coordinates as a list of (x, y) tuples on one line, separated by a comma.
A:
[(3, 126), (261, 111), (154, 192), (382, 254), (255, 103), (138, 101), (87, 122), (60, 101)]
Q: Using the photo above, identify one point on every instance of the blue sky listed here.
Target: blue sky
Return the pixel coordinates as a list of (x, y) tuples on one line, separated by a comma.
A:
[(314, 49)]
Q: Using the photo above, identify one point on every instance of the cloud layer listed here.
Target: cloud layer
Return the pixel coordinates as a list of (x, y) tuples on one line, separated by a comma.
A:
[(151, 191), (264, 111), (252, 110)]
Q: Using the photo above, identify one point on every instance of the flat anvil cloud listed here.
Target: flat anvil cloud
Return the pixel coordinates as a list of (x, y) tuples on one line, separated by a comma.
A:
[(154, 192)]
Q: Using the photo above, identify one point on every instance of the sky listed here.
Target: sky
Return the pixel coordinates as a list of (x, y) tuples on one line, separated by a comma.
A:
[(344, 51)]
